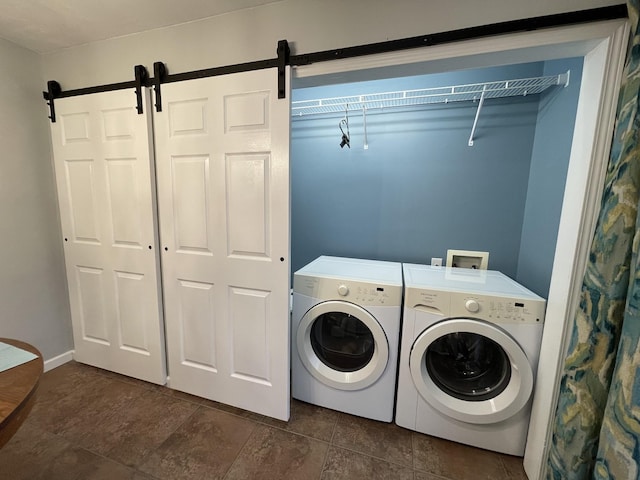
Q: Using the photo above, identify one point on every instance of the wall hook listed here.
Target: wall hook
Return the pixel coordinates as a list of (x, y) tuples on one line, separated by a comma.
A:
[(346, 137)]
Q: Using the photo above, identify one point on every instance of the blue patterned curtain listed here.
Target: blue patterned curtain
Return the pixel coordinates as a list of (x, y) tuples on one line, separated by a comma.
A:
[(597, 429)]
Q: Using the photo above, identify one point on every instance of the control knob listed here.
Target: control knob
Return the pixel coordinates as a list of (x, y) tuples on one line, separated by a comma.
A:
[(472, 305), (343, 290)]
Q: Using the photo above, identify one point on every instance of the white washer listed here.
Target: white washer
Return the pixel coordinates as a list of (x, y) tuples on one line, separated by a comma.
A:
[(468, 356), (345, 335)]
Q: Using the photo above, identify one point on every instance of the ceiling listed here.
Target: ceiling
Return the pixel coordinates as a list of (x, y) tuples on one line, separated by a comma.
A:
[(48, 25)]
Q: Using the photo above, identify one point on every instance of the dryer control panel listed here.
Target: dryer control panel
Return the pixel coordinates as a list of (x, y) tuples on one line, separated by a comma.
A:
[(486, 307), (361, 293), (497, 309)]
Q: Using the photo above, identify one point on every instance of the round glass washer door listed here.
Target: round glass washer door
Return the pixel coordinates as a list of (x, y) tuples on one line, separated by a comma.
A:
[(342, 345), (471, 370)]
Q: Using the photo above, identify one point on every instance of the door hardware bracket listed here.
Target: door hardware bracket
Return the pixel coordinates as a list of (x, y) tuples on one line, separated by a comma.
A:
[(284, 54), (159, 75), (53, 91), (142, 78)]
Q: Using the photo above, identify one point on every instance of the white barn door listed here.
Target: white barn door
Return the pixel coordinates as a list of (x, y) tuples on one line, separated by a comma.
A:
[(103, 160), (223, 194)]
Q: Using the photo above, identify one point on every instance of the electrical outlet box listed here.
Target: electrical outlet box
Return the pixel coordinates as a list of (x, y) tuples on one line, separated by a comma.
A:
[(436, 262), (468, 259)]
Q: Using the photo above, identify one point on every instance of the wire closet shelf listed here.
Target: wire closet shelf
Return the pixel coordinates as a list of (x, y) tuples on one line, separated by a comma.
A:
[(429, 96)]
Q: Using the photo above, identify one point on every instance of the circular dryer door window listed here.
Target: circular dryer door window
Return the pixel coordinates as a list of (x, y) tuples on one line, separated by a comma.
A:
[(468, 366), (342, 345), (471, 370)]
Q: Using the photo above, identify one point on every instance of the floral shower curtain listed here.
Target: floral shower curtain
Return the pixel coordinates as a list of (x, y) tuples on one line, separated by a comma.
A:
[(597, 429)]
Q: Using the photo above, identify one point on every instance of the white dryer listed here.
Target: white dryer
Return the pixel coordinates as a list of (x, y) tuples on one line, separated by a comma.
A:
[(468, 356), (345, 335)]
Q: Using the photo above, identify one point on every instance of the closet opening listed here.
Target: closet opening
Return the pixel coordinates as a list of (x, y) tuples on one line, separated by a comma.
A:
[(527, 191), (469, 159)]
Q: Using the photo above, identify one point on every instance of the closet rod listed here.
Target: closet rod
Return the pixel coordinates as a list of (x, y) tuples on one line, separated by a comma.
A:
[(284, 58)]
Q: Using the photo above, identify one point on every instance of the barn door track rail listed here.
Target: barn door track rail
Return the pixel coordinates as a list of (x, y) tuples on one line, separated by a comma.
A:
[(284, 57), (161, 74), (600, 14), (142, 79), (54, 91)]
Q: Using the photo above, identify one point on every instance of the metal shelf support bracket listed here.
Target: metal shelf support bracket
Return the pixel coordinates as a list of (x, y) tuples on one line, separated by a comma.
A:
[(475, 121)]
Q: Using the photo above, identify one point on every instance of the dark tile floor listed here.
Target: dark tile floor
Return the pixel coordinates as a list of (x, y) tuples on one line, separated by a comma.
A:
[(92, 424)]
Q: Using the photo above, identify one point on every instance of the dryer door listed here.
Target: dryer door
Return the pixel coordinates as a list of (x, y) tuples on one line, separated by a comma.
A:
[(342, 345), (471, 370)]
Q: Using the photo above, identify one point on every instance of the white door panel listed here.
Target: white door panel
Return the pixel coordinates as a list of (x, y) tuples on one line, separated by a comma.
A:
[(105, 177), (223, 189)]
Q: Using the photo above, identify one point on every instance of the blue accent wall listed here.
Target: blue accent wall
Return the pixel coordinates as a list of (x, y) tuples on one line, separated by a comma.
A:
[(419, 189), (547, 178)]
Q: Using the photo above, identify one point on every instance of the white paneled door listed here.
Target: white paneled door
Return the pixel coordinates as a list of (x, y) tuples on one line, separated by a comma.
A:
[(223, 194), (105, 177)]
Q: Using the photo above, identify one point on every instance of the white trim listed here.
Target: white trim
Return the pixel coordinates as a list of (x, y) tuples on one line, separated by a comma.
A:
[(603, 46), (58, 360), (592, 138)]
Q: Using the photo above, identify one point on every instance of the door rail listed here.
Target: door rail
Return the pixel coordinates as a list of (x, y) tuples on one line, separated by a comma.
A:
[(284, 57)]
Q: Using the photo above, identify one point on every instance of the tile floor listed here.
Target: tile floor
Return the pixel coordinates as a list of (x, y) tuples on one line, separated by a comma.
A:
[(92, 424)]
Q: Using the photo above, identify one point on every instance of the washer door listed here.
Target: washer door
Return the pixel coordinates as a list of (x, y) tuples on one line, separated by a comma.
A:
[(471, 370), (342, 345)]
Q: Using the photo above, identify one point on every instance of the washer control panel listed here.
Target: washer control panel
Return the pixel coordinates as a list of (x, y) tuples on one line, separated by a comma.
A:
[(361, 293)]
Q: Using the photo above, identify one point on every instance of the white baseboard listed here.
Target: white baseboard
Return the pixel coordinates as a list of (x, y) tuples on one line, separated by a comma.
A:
[(57, 361)]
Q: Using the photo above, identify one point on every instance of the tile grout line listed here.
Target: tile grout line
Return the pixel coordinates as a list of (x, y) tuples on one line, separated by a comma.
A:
[(330, 444), (134, 469), (504, 468), (151, 387), (139, 467), (315, 439), (145, 388), (377, 458), (413, 453), (264, 423), (77, 446), (418, 470), (226, 474)]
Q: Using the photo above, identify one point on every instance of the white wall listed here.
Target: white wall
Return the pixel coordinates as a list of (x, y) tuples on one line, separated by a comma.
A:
[(308, 25), (33, 292)]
